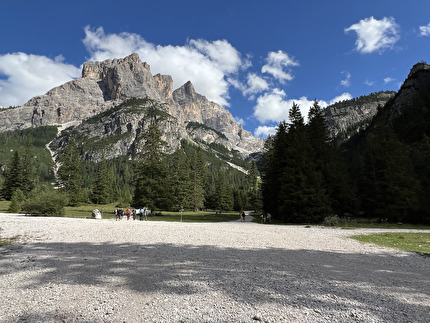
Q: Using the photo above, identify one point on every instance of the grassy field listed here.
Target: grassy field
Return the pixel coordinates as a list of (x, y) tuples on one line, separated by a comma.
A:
[(84, 211), (415, 242)]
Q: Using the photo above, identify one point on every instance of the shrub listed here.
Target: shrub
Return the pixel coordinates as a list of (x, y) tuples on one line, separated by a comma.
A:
[(48, 203), (332, 220), (16, 201)]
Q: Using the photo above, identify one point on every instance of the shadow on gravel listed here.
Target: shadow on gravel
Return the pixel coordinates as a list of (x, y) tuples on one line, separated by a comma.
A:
[(321, 280)]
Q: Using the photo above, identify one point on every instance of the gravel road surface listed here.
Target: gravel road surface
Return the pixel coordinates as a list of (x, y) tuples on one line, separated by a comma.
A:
[(84, 270)]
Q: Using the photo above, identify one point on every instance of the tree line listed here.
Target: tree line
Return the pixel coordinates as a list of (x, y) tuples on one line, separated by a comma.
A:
[(307, 177), (190, 178)]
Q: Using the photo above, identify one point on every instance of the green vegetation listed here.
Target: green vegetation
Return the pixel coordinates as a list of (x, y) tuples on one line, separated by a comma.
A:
[(196, 125), (304, 178), (84, 211), (415, 242)]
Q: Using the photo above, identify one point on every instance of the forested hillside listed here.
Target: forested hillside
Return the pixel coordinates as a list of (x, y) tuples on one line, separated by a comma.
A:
[(381, 173)]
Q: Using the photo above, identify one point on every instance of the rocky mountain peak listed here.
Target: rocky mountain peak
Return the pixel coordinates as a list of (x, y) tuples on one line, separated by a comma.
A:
[(105, 86), (417, 80)]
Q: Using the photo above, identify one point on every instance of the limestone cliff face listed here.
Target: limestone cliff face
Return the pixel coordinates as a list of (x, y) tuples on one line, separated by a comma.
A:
[(106, 85), (348, 117), (417, 80)]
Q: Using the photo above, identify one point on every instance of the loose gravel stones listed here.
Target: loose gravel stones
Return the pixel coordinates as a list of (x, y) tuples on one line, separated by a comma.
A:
[(84, 270)]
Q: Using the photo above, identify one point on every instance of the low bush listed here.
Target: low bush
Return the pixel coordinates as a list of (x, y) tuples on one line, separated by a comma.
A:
[(48, 203)]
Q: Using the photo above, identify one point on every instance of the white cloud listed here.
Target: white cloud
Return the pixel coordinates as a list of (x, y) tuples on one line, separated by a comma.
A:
[(264, 131), (375, 35), (369, 83), (388, 80), (25, 76), (278, 65), (347, 80), (425, 30), (208, 65), (274, 106), (343, 97), (256, 84)]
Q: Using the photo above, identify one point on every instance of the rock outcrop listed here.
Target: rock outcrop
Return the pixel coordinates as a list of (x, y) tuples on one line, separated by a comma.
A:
[(417, 81), (106, 85), (348, 117)]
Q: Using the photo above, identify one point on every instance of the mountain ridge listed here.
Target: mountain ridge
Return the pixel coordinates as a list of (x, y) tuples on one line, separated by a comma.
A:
[(108, 84)]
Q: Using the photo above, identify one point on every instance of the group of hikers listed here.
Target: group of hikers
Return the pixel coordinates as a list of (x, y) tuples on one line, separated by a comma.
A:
[(120, 213)]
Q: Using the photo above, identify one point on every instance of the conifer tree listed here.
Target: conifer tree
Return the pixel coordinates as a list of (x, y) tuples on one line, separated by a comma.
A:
[(103, 186), (13, 177), (197, 179), (328, 162), (152, 187), (224, 194), (69, 173), (273, 164), (179, 176), (28, 169)]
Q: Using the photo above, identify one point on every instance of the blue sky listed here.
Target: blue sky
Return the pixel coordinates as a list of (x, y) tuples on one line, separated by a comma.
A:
[(253, 57)]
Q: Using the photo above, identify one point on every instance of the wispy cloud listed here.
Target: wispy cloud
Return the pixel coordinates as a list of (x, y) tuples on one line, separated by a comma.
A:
[(388, 80), (425, 30), (375, 35), (347, 80)]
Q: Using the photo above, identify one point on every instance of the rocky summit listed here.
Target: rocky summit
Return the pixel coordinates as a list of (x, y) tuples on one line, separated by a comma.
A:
[(96, 105)]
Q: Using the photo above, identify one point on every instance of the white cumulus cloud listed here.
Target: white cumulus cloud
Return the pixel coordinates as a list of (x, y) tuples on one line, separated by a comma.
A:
[(343, 97), (264, 131), (278, 64), (425, 30), (208, 65), (375, 35), (255, 84), (23, 76), (274, 106)]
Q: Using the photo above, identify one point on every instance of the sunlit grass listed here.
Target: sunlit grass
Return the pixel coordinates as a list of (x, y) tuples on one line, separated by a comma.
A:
[(84, 211), (415, 242), (4, 205)]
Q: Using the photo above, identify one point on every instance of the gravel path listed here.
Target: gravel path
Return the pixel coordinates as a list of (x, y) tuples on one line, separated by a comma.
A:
[(82, 270)]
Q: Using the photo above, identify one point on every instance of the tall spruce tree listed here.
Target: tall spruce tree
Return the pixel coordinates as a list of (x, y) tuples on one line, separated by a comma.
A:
[(224, 193), (13, 177), (179, 176), (69, 173), (28, 168), (101, 193), (293, 188), (197, 178), (329, 163), (152, 187), (274, 161)]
